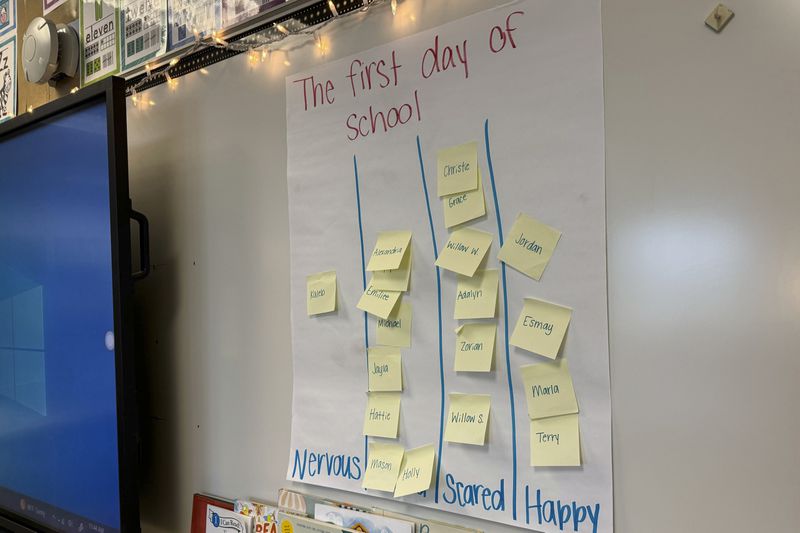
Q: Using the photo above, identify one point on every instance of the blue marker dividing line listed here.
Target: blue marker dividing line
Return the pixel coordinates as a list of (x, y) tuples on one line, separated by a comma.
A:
[(363, 279)]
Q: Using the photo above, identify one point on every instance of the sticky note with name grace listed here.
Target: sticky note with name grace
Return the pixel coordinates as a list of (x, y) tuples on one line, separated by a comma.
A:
[(385, 369), (394, 280), (396, 330), (382, 416), (556, 441), (464, 206), (390, 249), (529, 246), (416, 471), (464, 251), (378, 302), (541, 327), (383, 466), (475, 347), (321, 293), (468, 418), (549, 389), (476, 296), (457, 169)]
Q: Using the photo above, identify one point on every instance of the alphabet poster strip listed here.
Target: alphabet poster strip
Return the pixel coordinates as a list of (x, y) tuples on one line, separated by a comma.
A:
[(8, 79)]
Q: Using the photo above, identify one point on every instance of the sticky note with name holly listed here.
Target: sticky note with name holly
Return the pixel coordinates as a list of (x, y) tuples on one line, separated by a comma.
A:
[(475, 347), (416, 471), (468, 418), (556, 441), (382, 416), (383, 466), (321, 293), (390, 249), (457, 169), (476, 296), (378, 302), (394, 280), (549, 389), (529, 246), (396, 329), (385, 369), (464, 206), (541, 327), (464, 251)]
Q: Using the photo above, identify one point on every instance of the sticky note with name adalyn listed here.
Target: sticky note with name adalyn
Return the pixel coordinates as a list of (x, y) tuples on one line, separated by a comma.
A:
[(464, 206), (416, 471), (541, 327), (385, 369), (464, 251), (383, 466), (396, 330), (468, 418), (529, 246), (390, 249), (378, 302), (476, 296), (321, 293), (457, 169), (549, 389), (382, 416), (394, 280), (475, 347), (556, 441)]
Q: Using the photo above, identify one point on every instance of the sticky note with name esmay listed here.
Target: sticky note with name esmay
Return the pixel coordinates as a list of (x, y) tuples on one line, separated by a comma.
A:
[(382, 416), (457, 169), (390, 249), (529, 246), (464, 251), (383, 466), (321, 293), (549, 389), (541, 327)]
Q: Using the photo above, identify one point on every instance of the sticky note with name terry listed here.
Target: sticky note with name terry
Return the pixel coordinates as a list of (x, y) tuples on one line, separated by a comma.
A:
[(383, 466), (549, 389), (529, 246), (556, 441), (457, 169), (468, 418), (394, 280), (541, 327), (476, 296), (321, 293), (378, 302), (390, 249), (396, 330), (464, 206), (475, 347), (464, 251), (385, 369), (382, 416), (416, 471)]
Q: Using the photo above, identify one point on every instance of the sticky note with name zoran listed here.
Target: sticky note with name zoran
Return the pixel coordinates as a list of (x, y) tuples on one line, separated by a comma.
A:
[(468, 418), (382, 416), (394, 280), (541, 327), (390, 249), (549, 389), (476, 296), (464, 206), (464, 251), (378, 302), (556, 441), (416, 471), (321, 293), (396, 330), (457, 169), (385, 369), (529, 246), (383, 466), (475, 347)]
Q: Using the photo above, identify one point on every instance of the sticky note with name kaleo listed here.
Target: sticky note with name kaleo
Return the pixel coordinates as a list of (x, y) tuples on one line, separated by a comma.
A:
[(475, 347), (390, 249), (556, 441), (529, 246), (378, 302), (396, 330), (468, 418), (394, 280), (541, 327), (385, 369), (416, 471), (464, 251), (383, 466), (464, 206), (457, 169), (321, 293), (549, 389), (476, 296), (382, 416)]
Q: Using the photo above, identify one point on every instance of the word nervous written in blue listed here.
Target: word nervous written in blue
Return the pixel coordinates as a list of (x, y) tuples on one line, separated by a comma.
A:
[(310, 464)]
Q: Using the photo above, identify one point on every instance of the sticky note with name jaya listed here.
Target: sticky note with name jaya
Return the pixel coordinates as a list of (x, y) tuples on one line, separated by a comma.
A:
[(416, 471), (541, 327), (385, 369), (383, 466), (390, 249), (396, 330), (457, 169), (382, 416), (529, 246), (394, 280), (549, 389), (464, 206), (468, 418), (321, 293), (464, 251), (378, 302), (556, 441), (475, 347), (476, 296)]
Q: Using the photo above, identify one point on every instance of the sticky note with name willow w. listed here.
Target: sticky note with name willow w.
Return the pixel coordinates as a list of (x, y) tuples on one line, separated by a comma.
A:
[(541, 327), (464, 251)]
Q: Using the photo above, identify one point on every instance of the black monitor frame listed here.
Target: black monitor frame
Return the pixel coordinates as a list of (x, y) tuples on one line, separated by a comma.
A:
[(110, 91)]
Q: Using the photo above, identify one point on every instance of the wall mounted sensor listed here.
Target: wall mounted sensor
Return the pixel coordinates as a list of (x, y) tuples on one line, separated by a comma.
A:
[(49, 51)]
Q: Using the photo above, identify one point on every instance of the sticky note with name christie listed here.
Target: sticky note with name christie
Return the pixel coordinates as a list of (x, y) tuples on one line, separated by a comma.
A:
[(556, 441), (475, 347), (390, 249), (549, 389), (382, 416), (476, 296), (394, 280), (321, 293), (464, 251), (464, 206), (383, 466), (396, 330), (541, 327), (378, 302), (416, 471), (468, 418), (529, 246), (457, 169), (385, 369)]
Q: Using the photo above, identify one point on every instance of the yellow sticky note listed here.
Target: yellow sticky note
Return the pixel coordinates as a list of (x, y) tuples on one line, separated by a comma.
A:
[(382, 416), (321, 293), (556, 441), (389, 251), (468, 418), (396, 330), (464, 251), (457, 169), (476, 296), (416, 472), (383, 465), (378, 302), (394, 280), (475, 347), (385, 369), (549, 389), (541, 327), (464, 206), (529, 246)]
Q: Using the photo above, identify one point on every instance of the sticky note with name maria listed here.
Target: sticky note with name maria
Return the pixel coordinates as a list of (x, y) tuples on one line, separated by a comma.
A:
[(390, 249), (468, 418), (529, 246), (464, 251), (549, 389), (396, 330), (541, 327), (457, 169), (321, 293), (475, 347), (383, 466), (382, 416), (556, 441), (385, 369), (378, 302), (464, 206), (476, 296), (416, 471), (394, 280)]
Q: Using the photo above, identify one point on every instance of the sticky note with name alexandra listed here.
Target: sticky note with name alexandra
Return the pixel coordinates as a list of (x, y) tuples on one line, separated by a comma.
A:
[(468, 418), (476, 296), (529, 246), (378, 302), (382, 416), (416, 471), (549, 389), (383, 466), (390, 249), (464, 206), (396, 330), (321, 293), (385, 369), (541, 327), (464, 251), (457, 169), (556, 441), (475, 347), (394, 280)]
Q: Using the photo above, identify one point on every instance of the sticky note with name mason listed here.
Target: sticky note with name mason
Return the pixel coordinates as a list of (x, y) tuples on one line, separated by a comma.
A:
[(468, 418), (390, 249), (464, 206), (396, 330), (556, 441), (321, 293), (475, 347), (541, 327), (476, 296), (394, 280), (464, 251), (378, 302), (416, 471), (382, 416), (457, 169), (385, 369), (549, 389), (529, 246), (383, 466)]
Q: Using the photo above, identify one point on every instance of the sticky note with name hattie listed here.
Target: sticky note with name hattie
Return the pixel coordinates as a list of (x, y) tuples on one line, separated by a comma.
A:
[(321, 293), (475, 347), (457, 169), (385, 369), (464, 206), (396, 329), (416, 471), (383, 466), (468, 418), (378, 302), (382, 416), (541, 327), (464, 251), (394, 280), (556, 441), (549, 389), (390, 249), (529, 246), (476, 296)]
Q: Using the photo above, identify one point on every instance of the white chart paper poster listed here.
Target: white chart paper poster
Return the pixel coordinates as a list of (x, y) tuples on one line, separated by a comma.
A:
[(8, 79), (99, 39), (524, 82), (144, 31)]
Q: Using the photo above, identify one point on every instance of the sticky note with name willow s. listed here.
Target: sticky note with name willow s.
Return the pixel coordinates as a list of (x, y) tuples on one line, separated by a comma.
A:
[(378, 302), (396, 330), (529, 246), (468, 418), (457, 169), (390, 249), (464, 206), (549, 389), (541, 327), (476, 296), (383, 466), (416, 471), (385, 369), (382, 416), (464, 251), (321, 293), (556, 441), (394, 280), (475, 347)]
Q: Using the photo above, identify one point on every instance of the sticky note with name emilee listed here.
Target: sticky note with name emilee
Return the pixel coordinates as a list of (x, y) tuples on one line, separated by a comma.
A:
[(321, 293), (383, 466), (396, 330), (549, 389), (556, 441), (541, 327), (468, 418), (476, 296), (529, 246), (378, 302), (385, 369), (394, 280), (416, 472), (382, 416), (390, 249), (464, 206), (464, 251), (475, 347), (457, 169)]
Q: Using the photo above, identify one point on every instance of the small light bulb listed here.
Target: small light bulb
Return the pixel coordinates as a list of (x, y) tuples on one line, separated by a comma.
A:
[(174, 61), (73, 90), (394, 7), (281, 28), (30, 109), (204, 71), (332, 7)]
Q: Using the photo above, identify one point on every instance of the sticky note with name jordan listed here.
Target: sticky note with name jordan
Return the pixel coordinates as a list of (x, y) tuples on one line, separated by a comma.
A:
[(529, 246), (476, 296), (541, 327), (549, 389), (394, 280), (382, 416), (475, 347), (390, 249), (556, 441), (385, 369), (464, 206), (468, 418), (321, 293), (464, 251), (396, 330), (416, 471), (378, 302), (457, 169), (383, 466)]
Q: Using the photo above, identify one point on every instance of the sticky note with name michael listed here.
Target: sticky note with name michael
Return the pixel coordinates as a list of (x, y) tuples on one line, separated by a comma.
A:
[(475, 347), (529, 246), (464, 206), (390, 249), (321, 293), (383, 465), (476, 296), (541, 327), (556, 441), (416, 471), (394, 280), (549, 389), (385, 369), (464, 251), (396, 330), (468, 418), (457, 169), (382, 416), (378, 302)]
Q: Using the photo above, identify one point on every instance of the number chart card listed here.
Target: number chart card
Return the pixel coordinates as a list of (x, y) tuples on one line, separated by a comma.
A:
[(144, 31), (99, 40)]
